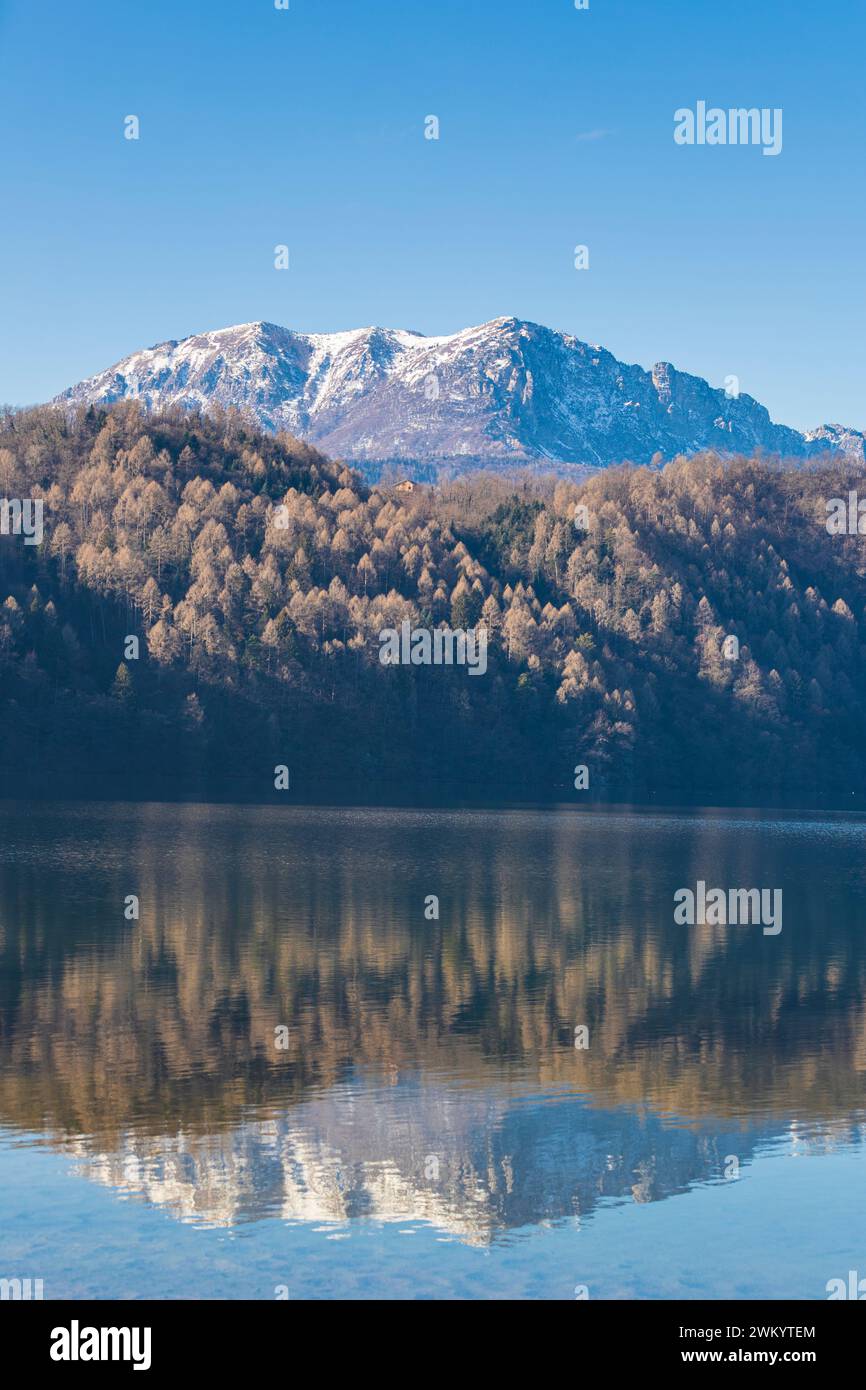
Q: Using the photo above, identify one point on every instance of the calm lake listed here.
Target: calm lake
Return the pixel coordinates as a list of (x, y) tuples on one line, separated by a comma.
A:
[(288, 1079)]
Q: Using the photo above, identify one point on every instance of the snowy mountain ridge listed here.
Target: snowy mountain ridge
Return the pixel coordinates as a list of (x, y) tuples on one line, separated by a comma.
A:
[(507, 393)]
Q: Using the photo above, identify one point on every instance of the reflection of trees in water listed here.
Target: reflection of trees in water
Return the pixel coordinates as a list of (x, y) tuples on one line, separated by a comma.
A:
[(252, 918)]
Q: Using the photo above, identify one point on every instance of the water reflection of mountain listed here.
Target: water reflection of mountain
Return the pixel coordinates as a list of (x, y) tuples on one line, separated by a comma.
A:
[(150, 1045), (472, 1164)]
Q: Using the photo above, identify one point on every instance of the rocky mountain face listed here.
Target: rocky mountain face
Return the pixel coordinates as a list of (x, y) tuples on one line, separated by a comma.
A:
[(506, 394)]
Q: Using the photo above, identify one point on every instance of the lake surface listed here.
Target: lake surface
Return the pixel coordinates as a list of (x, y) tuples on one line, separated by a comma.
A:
[(287, 1079)]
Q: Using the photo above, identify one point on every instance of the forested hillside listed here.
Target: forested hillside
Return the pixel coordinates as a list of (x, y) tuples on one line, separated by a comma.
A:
[(257, 576)]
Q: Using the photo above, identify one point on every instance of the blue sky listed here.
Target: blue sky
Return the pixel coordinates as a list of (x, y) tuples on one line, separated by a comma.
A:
[(306, 127)]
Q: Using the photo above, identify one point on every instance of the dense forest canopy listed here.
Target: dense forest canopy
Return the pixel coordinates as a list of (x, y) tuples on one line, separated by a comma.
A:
[(257, 576)]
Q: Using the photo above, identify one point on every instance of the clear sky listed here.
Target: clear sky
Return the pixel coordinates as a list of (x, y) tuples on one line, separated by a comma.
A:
[(306, 127)]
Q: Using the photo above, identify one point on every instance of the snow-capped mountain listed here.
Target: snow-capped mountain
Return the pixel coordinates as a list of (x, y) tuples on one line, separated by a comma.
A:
[(838, 439), (508, 393)]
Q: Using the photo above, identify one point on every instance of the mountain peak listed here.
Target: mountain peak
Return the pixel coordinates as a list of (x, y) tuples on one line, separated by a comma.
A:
[(505, 393)]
